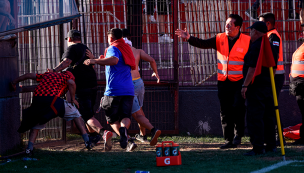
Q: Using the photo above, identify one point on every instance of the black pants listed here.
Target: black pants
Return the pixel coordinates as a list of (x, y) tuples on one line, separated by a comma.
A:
[(300, 101), (86, 99), (232, 109), (260, 117), (279, 81)]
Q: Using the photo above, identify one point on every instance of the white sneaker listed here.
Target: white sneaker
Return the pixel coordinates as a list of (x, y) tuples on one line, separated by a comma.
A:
[(152, 19), (165, 39)]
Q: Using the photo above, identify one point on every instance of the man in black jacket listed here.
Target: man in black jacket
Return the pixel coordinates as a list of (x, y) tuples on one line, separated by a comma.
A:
[(260, 114), (231, 48)]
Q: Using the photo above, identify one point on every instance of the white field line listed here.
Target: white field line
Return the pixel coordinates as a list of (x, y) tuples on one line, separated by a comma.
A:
[(275, 166)]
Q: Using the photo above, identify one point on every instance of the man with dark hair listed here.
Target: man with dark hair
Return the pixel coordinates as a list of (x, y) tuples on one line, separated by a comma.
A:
[(119, 93), (231, 48), (86, 81), (260, 114), (276, 41), (47, 105), (139, 90)]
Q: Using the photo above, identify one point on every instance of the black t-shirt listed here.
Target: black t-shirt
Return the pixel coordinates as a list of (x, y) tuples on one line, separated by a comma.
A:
[(251, 59), (85, 76)]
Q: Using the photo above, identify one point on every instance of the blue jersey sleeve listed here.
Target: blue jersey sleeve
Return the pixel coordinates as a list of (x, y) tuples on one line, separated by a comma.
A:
[(112, 51)]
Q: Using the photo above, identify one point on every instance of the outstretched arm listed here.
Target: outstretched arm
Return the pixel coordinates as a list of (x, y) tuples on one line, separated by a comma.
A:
[(144, 56), (22, 78), (182, 33), (105, 61), (72, 90), (64, 64)]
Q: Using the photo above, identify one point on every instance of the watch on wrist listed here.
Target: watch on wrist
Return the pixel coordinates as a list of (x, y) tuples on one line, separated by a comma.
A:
[(243, 86)]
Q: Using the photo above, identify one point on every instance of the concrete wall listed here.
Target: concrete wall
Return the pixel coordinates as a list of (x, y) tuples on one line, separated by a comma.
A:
[(200, 111), (9, 101)]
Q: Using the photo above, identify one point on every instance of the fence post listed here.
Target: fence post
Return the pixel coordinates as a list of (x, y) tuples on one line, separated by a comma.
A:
[(176, 66), (134, 22), (9, 100)]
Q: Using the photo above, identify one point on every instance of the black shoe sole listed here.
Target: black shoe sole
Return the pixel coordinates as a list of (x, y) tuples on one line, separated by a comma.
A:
[(154, 138)]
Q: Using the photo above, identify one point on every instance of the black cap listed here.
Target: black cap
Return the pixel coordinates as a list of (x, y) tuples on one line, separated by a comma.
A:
[(259, 26), (73, 33)]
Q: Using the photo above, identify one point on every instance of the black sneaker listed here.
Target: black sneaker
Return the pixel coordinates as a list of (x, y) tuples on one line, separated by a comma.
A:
[(28, 152), (298, 142), (155, 133), (254, 153), (228, 145), (131, 145), (141, 138), (270, 149), (94, 138), (237, 140), (123, 137), (88, 145)]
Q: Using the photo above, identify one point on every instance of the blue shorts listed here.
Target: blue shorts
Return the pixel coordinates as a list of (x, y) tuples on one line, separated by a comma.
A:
[(139, 92)]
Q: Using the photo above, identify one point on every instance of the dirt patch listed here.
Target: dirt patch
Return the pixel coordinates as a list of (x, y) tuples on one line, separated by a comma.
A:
[(78, 145)]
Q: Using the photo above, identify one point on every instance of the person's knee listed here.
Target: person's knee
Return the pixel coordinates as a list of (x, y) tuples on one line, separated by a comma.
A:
[(137, 115)]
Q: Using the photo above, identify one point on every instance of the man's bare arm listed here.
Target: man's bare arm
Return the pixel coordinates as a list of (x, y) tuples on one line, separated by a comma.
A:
[(64, 64), (72, 90), (144, 56), (105, 61), (22, 78)]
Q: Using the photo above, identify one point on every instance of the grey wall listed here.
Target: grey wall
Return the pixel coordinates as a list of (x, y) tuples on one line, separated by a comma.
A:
[(200, 111), (9, 101)]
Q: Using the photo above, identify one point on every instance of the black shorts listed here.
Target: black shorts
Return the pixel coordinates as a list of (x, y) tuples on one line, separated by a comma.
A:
[(161, 7), (86, 99), (117, 107)]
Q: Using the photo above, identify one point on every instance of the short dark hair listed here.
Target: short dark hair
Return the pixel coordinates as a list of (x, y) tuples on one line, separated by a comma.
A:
[(125, 32), (115, 32), (76, 38), (268, 17), (238, 19)]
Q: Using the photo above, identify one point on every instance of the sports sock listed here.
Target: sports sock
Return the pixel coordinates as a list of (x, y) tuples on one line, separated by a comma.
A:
[(30, 145), (101, 132), (85, 137)]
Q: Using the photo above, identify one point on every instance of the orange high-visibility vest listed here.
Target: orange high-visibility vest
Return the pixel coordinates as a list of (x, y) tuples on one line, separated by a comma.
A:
[(280, 64), (297, 66), (230, 64)]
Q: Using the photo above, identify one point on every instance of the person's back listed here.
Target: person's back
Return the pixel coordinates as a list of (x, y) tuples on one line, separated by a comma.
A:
[(52, 84), (119, 79), (136, 53), (85, 76)]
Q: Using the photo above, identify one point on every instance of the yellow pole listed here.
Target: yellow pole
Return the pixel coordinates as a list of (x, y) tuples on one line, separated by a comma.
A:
[(275, 100)]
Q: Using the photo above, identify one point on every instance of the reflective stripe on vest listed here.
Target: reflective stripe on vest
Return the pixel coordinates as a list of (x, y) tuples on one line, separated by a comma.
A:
[(297, 72), (280, 64), (229, 72), (230, 64), (298, 62), (297, 66)]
